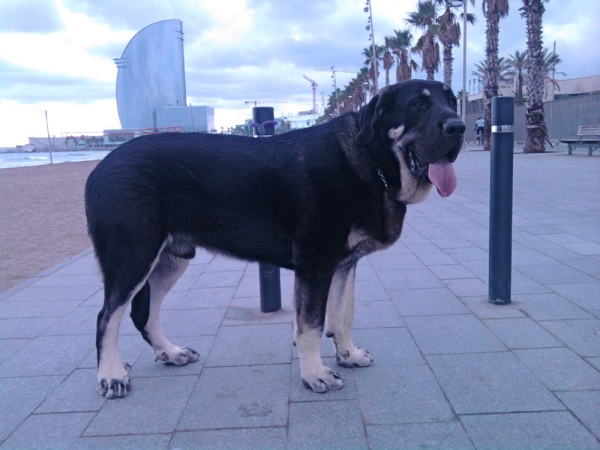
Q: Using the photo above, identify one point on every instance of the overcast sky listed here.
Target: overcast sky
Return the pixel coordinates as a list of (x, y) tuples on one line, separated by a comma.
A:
[(57, 55)]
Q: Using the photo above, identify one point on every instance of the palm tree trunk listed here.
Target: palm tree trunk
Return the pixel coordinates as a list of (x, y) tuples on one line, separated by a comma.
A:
[(536, 126), (448, 60), (387, 77), (491, 84)]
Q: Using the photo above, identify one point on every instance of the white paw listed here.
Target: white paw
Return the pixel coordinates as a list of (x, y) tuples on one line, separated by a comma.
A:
[(177, 357), (115, 385), (359, 357), (322, 380)]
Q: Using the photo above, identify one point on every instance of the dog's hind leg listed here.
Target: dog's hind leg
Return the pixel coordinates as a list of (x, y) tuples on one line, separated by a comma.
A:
[(310, 301), (145, 309), (123, 279), (340, 316)]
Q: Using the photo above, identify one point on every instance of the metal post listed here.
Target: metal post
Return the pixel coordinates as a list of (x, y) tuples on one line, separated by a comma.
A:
[(501, 199), (269, 278), (192, 118), (464, 99), (48, 130)]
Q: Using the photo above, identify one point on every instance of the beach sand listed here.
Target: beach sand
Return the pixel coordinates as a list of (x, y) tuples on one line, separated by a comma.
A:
[(42, 218)]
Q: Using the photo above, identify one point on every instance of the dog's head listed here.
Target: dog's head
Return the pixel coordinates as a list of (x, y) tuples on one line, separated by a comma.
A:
[(418, 120)]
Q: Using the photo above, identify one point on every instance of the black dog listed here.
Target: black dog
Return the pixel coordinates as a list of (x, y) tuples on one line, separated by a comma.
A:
[(313, 200)]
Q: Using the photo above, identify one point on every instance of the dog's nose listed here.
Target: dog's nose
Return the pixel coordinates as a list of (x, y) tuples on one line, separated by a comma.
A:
[(454, 128)]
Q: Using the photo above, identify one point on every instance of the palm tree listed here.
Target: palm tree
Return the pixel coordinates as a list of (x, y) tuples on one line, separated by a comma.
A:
[(482, 72), (449, 34), (388, 58), (518, 64), (368, 53), (493, 10), (537, 133), (424, 19), (402, 48), (551, 60)]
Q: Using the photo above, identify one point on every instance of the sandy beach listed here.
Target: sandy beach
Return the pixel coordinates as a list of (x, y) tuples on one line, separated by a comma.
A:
[(42, 218)]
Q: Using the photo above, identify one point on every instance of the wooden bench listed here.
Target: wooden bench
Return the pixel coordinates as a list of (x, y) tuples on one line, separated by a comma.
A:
[(588, 136)]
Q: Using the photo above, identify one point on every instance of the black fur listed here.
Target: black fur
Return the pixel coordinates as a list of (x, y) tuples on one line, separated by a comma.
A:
[(290, 200)]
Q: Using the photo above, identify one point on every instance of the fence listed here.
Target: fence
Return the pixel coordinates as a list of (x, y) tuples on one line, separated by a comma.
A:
[(563, 117)]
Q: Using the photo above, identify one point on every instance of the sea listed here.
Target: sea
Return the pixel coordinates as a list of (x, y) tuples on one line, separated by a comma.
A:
[(8, 160)]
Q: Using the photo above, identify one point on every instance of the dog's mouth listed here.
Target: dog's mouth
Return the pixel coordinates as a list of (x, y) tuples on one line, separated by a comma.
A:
[(440, 173)]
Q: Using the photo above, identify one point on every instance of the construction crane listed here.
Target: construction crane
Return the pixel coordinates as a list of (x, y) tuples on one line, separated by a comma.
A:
[(314, 85)]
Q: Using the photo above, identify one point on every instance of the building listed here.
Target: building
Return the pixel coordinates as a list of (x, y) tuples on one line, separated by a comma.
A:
[(151, 74), (193, 118)]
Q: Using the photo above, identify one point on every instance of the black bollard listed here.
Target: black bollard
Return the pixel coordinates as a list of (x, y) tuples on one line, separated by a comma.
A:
[(269, 278), (501, 199)]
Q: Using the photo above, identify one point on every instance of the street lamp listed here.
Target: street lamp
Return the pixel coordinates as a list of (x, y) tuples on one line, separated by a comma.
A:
[(369, 27)]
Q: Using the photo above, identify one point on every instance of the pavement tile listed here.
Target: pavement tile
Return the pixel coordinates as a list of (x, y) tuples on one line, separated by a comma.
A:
[(522, 284), (594, 362), (585, 264), (20, 397), (81, 320), (521, 333), (468, 287), (194, 322), (436, 259), (331, 425), (231, 439), (484, 383), (200, 299), (549, 307), (12, 310), (581, 336), (218, 279), (194, 270), (246, 311), (76, 393), (9, 347), (53, 293), (427, 302), (299, 393), (51, 431), (133, 442), (369, 291), (543, 430), (251, 345), (419, 436), (409, 279), (569, 371), (130, 348), (376, 315), (224, 264), (450, 272), (365, 272), (154, 405), (584, 248), (382, 261), (584, 295), (556, 273), (184, 284), (467, 254), (145, 366), (248, 287), (48, 355), (239, 397), (56, 279), (452, 334), (389, 346), (585, 405)]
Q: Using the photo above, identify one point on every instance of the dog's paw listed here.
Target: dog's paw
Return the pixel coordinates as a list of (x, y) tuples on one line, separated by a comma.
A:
[(115, 387), (357, 358), (325, 379), (178, 357)]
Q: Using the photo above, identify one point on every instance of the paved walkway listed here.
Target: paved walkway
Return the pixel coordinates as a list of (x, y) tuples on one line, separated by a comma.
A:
[(450, 369)]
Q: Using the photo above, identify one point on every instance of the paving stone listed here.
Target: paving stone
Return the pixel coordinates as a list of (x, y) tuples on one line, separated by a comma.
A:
[(20, 397), (200, 298), (9, 347), (419, 436), (218, 279), (582, 336), (585, 405), (424, 302), (584, 248), (584, 295), (130, 348), (468, 287), (246, 311), (224, 264), (25, 327), (145, 366), (543, 430), (383, 261), (48, 355), (184, 284), (69, 280), (549, 307), (585, 264), (231, 439), (12, 310), (594, 362), (154, 405), (252, 344), (81, 320), (134, 442), (436, 259), (239, 397), (389, 346), (77, 393), (376, 315), (450, 272), (194, 322), (331, 425), (521, 333), (369, 291), (482, 308), (365, 272), (299, 393), (248, 287), (467, 254), (194, 270), (409, 279), (452, 334), (522, 284), (569, 371), (52, 431), (53, 293), (483, 383), (556, 273), (395, 394)]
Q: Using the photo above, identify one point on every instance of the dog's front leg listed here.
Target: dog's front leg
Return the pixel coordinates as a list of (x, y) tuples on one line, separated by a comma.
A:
[(310, 301), (340, 316)]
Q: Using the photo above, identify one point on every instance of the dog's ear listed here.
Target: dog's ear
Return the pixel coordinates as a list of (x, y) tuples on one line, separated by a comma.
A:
[(370, 115)]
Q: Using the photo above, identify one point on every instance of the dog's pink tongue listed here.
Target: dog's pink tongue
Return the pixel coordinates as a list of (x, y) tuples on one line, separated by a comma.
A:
[(441, 174)]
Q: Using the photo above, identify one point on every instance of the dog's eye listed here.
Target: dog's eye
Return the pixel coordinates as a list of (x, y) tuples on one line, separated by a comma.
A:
[(453, 101), (418, 104)]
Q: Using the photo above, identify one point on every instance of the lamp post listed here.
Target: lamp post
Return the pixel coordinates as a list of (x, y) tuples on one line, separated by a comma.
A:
[(370, 28)]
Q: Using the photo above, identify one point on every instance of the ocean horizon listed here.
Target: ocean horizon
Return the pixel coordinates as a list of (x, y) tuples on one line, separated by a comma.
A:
[(11, 160)]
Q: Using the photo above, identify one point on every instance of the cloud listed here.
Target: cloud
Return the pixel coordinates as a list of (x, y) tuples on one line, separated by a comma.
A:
[(29, 16)]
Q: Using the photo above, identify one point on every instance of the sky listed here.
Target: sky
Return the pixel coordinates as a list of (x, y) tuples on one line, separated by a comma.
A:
[(57, 55)]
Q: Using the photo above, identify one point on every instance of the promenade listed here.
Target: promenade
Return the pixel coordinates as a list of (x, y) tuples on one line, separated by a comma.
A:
[(450, 370)]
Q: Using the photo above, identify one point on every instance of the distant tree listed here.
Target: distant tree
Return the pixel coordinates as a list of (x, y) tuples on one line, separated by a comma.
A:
[(402, 48), (518, 65), (503, 69), (388, 58), (424, 19), (368, 53)]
